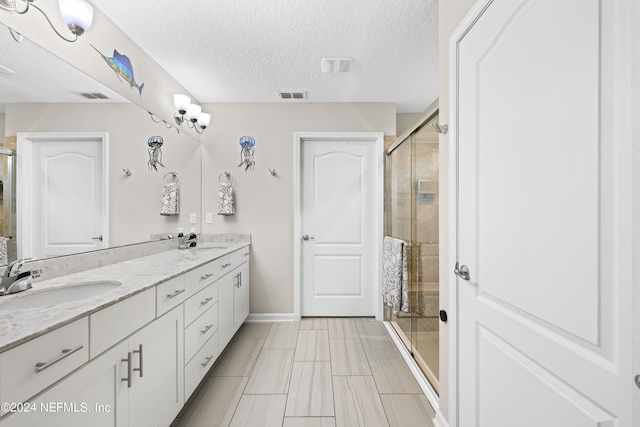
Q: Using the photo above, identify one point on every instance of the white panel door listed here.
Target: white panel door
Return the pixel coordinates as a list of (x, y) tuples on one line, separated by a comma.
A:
[(543, 318), (67, 197), (338, 205)]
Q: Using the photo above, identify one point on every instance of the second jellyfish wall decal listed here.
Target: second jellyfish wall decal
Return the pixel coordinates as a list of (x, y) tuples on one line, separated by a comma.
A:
[(246, 153)]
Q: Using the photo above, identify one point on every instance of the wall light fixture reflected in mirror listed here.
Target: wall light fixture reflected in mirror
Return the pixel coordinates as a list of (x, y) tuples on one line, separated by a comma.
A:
[(77, 14), (190, 113)]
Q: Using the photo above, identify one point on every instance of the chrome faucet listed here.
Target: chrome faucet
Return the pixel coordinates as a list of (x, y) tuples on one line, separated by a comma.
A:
[(188, 241), (14, 279)]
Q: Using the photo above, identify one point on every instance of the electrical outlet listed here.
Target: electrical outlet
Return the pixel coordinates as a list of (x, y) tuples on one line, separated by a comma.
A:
[(209, 218), (192, 218)]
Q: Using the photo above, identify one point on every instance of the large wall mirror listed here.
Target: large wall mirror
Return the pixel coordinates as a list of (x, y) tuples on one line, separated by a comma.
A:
[(44, 111)]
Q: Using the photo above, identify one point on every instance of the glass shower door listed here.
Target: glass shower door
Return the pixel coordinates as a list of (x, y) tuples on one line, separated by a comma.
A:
[(412, 214), (400, 206), (425, 252)]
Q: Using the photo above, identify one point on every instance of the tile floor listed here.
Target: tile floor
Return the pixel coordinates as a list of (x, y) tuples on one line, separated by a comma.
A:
[(316, 372)]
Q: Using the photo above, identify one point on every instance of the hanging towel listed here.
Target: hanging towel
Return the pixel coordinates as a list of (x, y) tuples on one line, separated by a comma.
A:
[(170, 196), (225, 199), (4, 260), (395, 277)]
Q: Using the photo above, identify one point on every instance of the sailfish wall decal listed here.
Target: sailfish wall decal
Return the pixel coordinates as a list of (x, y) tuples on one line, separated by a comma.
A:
[(122, 67)]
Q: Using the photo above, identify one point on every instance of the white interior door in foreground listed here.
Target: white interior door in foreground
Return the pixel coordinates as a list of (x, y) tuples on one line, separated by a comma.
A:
[(339, 275), (545, 316)]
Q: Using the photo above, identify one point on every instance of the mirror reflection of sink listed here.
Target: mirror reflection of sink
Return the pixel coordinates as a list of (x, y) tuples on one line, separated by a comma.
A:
[(58, 295)]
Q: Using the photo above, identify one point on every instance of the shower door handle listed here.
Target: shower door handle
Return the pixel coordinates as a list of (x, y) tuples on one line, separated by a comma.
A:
[(462, 271), (307, 237)]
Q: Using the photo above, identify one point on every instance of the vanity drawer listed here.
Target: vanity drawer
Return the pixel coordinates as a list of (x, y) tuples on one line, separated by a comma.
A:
[(199, 303), (201, 277), (35, 365), (113, 324), (199, 332), (235, 258), (245, 254), (198, 367), (169, 294)]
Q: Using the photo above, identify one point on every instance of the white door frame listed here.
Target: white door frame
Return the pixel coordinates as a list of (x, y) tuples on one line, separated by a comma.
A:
[(24, 184), (299, 138)]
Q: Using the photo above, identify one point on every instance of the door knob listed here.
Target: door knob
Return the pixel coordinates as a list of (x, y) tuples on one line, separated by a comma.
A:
[(462, 271), (307, 237)]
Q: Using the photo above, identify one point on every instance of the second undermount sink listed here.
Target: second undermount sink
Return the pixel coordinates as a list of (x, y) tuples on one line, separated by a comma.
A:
[(58, 295)]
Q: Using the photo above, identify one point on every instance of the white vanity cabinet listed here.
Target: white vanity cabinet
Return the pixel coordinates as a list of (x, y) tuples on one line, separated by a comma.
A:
[(155, 371), (90, 397), (133, 363), (136, 383), (234, 297)]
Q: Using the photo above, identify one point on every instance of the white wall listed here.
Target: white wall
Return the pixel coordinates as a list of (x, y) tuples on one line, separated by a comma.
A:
[(451, 14), (2, 124), (406, 121), (264, 204), (134, 202)]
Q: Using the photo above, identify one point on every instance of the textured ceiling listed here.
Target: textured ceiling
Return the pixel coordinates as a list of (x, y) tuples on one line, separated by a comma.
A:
[(40, 76), (248, 50)]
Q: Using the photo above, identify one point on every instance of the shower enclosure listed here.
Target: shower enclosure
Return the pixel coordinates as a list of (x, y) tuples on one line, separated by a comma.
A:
[(411, 214), (7, 206)]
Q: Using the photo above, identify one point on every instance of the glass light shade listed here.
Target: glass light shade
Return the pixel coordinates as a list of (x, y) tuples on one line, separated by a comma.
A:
[(204, 120), (182, 102), (193, 112), (76, 14)]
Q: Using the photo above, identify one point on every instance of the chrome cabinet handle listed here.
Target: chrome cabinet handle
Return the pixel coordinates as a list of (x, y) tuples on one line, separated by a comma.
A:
[(206, 301), (462, 271), (129, 372), (41, 366), (206, 329), (240, 279), (206, 361), (139, 351), (307, 237), (206, 276), (97, 238), (226, 265), (175, 294)]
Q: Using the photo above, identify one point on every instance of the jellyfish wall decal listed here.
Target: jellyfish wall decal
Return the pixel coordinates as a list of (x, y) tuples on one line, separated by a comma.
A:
[(246, 153), (155, 152)]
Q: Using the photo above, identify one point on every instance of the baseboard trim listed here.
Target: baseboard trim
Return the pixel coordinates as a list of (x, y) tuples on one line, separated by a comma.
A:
[(439, 420), (271, 317), (428, 391)]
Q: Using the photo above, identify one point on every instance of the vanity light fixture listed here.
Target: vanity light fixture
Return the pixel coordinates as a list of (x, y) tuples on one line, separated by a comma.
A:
[(190, 113), (77, 14)]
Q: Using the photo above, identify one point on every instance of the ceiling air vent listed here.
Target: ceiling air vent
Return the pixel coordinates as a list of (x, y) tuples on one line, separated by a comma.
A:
[(292, 95), (93, 95)]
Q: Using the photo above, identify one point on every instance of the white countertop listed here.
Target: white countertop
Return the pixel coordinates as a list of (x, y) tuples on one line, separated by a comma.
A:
[(136, 275)]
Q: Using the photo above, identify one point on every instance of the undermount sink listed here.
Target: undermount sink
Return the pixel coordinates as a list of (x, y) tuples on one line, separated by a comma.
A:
[(211, 247), (58, 295)]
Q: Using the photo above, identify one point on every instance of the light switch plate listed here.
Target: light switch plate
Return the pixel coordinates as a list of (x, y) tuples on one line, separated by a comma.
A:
[(192, 218), (209, 218)]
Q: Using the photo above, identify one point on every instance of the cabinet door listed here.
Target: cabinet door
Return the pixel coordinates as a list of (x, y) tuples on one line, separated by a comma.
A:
[(157, 390), (93, 396), (225, 309), (241, 295)]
